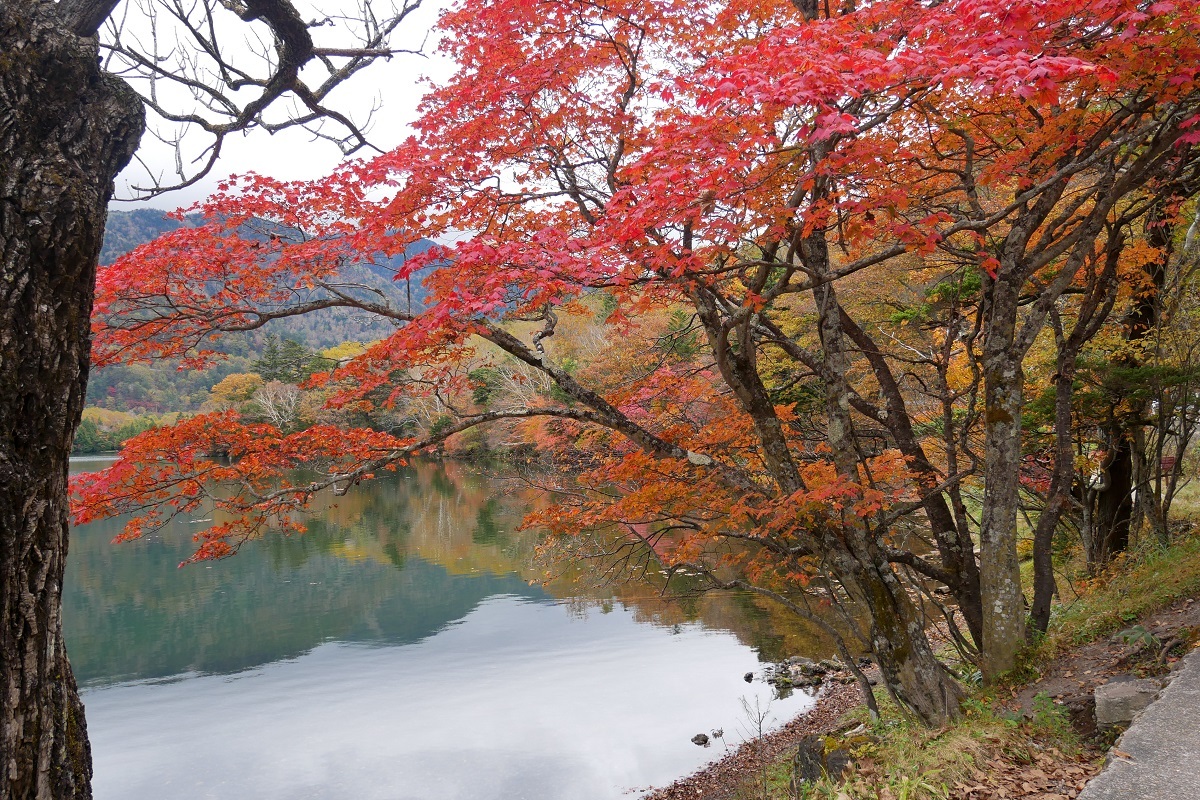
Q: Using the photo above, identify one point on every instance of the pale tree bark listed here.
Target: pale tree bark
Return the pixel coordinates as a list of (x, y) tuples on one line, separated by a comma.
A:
[(279, 403), (1000, 575), (1008, 333), (66, 130)]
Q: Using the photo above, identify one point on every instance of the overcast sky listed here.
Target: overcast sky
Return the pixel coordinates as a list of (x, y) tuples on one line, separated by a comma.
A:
[(394, 85)]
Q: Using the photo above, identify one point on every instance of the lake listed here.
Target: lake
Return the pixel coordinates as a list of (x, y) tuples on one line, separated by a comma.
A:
[(413, 644)]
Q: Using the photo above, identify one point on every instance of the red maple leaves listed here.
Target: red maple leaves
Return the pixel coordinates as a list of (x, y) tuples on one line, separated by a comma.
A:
[(652, 150)]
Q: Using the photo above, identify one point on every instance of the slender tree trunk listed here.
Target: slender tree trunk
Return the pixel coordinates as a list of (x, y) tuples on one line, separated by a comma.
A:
[(1149, 482), (911, 671), (954, 546), (1000, 574), (1090, 317), (66, 130), (1058, 500), (1058, 503)]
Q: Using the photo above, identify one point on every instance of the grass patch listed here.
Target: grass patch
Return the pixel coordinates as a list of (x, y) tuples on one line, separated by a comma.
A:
[(1186, 505), (899, 758), (1134, 585)]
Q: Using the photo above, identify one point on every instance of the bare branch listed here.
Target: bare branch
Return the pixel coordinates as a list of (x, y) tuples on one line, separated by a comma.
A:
[(212, 68)]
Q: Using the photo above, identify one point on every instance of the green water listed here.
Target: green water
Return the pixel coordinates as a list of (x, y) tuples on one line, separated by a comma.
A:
[(405, 647)]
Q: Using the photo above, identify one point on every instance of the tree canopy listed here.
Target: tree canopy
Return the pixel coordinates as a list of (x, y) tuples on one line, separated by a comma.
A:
[(773, 274)]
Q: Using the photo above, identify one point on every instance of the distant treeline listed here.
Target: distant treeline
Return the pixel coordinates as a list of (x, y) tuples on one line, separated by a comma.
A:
[(104, 431)]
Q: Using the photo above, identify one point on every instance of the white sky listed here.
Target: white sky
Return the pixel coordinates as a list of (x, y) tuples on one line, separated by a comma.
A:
[(295, 154)]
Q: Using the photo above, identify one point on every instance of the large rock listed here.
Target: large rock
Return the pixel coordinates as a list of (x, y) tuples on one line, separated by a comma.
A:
[(1117, 702), (818, 757)]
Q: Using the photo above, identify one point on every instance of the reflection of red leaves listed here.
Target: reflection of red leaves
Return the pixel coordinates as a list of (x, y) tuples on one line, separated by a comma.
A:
[(167, 472)]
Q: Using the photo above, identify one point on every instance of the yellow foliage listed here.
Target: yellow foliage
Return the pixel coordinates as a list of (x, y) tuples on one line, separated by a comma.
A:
[(345, 351), (234, 389)]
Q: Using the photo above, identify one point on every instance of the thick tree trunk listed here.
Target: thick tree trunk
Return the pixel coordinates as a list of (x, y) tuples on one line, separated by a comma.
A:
[(911, 672), (1114, 502), (66, 130)]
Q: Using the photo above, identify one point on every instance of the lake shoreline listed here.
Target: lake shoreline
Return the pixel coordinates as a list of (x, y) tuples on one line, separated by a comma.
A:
[(721, 779)]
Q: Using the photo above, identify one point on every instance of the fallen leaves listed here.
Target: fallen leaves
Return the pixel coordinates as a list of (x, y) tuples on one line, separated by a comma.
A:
[(722, 779), (1048, 776)]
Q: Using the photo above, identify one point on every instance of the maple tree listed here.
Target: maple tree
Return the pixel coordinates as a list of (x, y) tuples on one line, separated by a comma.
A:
[(762, 175)]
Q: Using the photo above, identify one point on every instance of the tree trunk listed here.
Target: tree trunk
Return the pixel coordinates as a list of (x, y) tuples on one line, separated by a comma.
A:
[(1115, 508), (1092, 313), (1058, 498), (954, 545), (1000, 573), (911, 672), (1114, 502), (66, 130), (1151, 486), (1058, 503)]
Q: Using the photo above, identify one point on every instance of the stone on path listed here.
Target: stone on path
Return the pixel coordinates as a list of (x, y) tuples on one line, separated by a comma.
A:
[(1117, 702), (1158, 758)]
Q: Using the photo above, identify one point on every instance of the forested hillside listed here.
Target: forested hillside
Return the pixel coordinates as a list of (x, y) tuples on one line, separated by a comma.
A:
[(163, 387)]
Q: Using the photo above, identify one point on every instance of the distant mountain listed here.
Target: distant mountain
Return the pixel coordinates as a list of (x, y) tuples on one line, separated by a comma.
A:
[(319, 330), (125, 230)]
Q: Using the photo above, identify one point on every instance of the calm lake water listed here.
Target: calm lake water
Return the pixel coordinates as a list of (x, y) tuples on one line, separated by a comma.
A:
[(399, 650)]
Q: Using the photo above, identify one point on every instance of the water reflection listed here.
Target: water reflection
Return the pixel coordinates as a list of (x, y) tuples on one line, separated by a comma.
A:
[(397, 650)]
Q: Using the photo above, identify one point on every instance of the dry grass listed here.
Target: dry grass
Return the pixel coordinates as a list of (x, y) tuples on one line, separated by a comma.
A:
[(1137, 583), (898, 759)]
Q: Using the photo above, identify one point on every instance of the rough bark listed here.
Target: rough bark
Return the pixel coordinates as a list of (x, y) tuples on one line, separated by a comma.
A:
[(66, 130), (1000, 575), (911, 672)]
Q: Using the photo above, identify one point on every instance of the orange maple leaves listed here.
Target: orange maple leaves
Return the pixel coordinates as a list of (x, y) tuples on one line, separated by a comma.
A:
[(654, 150)]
